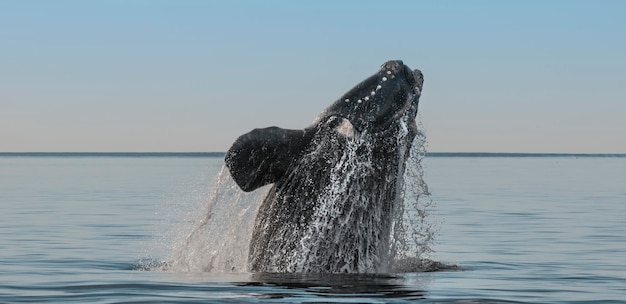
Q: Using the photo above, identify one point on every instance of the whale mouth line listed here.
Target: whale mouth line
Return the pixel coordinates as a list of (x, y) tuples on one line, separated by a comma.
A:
[(407, 106), (415, 78)]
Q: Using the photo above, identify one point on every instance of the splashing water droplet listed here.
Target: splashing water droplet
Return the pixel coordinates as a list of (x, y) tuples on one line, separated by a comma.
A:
[(219, 241)]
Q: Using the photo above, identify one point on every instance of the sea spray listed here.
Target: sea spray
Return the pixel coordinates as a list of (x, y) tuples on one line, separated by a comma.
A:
[(334, 215), (414, 226), (219, 241)]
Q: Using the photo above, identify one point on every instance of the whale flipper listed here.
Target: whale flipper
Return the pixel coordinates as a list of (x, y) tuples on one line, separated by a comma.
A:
[(262, 156)]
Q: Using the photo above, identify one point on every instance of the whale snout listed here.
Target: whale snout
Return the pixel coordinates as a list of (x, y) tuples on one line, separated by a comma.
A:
[(415, 78), (379, 101)]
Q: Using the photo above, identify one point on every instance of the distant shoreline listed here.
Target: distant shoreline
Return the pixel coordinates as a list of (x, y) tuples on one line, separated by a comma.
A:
[(222, 154)]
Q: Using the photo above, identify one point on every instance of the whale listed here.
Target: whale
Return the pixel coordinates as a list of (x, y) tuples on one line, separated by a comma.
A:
[(337, 183)]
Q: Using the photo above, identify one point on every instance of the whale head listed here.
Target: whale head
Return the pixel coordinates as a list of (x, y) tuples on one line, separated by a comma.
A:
[(377, 102), (263, 156)]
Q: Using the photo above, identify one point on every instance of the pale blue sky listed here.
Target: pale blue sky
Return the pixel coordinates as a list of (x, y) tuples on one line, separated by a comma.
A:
[(500, 76)]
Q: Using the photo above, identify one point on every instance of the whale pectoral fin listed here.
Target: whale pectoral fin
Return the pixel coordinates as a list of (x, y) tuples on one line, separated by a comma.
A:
[(262, 156)]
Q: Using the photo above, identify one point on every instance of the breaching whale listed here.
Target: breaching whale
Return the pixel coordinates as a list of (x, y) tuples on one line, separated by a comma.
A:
[(337, 183)]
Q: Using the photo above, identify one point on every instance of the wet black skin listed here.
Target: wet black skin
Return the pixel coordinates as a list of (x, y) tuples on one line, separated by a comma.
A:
[(298, 163), (262, 156)]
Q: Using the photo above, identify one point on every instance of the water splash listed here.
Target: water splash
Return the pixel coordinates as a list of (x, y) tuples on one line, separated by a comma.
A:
[(220, 241), (414, 227), (342, 205)]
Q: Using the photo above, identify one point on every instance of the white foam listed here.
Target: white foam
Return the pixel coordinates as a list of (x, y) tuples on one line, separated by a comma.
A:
[(219, 241)]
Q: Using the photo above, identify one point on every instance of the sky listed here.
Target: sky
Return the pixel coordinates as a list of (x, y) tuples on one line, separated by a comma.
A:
[(191, 76)]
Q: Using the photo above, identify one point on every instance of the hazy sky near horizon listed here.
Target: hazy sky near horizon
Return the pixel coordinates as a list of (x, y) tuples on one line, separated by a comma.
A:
[(500, 76)]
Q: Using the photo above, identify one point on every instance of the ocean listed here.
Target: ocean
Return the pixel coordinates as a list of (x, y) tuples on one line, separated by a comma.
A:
[(522, 228)]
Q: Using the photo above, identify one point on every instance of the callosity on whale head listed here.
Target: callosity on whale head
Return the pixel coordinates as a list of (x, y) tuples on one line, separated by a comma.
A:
[(337, 183)]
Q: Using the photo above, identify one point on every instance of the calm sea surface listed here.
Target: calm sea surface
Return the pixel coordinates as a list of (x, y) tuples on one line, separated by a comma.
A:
[(76, 229)]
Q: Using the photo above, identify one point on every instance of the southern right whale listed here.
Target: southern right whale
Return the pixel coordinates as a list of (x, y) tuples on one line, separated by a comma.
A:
[(337, 183)]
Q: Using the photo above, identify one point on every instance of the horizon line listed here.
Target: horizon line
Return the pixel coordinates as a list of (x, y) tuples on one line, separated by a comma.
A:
[(222, 154)]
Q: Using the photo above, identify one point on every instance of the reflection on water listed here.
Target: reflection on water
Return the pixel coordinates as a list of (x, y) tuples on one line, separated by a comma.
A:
[(324, 286)]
